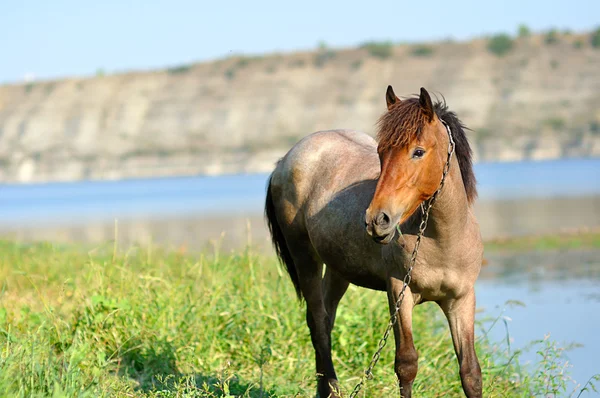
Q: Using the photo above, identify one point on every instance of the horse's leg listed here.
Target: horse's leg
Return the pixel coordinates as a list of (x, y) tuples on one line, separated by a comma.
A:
[(406, 363), (310, 271), (461, 318), (334, 287)]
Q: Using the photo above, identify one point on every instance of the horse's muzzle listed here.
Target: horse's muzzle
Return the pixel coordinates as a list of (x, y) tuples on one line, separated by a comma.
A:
[(380, 228)]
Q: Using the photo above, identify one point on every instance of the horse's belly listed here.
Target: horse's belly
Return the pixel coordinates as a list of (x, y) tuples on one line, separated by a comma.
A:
[(353, 256), (359, 276), (369, 282)]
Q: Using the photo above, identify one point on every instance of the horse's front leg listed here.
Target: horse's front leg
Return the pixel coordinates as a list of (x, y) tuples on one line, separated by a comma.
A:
[(461, 318), (406, 364)]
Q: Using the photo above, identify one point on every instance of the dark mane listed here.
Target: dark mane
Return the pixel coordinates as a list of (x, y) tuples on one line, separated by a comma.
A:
[(404, 122)]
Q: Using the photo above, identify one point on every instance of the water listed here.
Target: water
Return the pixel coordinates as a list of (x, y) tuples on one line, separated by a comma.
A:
[(560, 290), (64, 203), (80, 202), (541, 179), (560, 296)]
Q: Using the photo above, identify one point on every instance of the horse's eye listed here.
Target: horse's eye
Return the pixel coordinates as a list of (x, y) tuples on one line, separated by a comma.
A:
[(418, 153)]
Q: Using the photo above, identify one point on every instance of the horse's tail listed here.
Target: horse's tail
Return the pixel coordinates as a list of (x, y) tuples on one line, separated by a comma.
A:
[(281, 248)]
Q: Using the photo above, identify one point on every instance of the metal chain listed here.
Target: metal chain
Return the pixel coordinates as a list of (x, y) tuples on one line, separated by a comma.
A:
[(425, 208)]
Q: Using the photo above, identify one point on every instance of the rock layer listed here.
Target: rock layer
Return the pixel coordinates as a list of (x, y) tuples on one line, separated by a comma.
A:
[(241, 114)]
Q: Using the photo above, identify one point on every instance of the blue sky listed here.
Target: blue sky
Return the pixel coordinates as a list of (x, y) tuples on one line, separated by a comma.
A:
[(49, 39)]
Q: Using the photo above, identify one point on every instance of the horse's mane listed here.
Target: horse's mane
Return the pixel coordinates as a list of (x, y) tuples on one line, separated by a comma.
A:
[(404, 122)]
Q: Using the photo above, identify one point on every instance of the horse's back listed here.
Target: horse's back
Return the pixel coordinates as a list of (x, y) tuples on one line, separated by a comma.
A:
[(317, 151)]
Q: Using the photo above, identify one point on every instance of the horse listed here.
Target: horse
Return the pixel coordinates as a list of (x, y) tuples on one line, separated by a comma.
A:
[(341, 199)]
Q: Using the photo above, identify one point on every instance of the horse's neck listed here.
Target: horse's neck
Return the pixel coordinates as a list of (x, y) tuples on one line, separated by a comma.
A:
[(450, 214)]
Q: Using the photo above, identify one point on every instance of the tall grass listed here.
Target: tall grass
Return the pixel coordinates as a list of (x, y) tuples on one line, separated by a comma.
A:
[(148, 322)]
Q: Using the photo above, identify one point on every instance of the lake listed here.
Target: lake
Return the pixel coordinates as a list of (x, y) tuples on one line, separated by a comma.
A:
[(560, 289)]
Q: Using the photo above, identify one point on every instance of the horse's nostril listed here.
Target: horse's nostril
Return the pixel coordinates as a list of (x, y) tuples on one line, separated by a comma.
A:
[(382, 220)]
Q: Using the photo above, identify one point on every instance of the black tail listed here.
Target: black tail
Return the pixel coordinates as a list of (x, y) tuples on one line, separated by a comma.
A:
[(279, 240)]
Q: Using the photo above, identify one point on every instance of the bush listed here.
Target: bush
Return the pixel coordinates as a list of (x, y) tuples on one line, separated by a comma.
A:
[(595, 40), (230, 74), (500, 44), (551, 37), (555, 123), (177, 70), (422, 51), (242, 62), (379, 49), (355, 65), (323, 57), (524, 31), (578, 43), (297, 63)]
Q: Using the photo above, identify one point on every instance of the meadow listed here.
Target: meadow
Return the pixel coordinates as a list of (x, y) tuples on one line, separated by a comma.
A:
[(153, 322)]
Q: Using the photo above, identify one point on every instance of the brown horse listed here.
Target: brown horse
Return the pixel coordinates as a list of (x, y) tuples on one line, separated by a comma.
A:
[(333, 184)]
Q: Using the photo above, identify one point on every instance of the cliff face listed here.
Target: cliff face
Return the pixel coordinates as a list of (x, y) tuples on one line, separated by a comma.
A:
[(240, 114)]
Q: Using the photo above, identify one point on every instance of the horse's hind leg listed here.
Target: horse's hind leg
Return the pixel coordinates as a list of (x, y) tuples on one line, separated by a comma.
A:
[(461, 318), (310, 268)]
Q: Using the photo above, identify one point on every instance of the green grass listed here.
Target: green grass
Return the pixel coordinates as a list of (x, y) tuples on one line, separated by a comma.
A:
[(147, 322), (579, 240)]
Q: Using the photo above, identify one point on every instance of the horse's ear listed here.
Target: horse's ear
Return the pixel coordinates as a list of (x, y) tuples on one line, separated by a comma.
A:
[(426, 104), (390, 97)]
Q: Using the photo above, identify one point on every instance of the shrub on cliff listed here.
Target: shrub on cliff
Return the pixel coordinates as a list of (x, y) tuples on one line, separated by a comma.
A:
[(595, 40), (178, 70), (524, 30), (500, 44), (551, 37), (323, 56), (555, 123), (381, 50), (422, 51)]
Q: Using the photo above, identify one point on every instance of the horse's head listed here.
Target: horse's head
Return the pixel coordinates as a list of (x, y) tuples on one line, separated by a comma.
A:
[(412, 153)]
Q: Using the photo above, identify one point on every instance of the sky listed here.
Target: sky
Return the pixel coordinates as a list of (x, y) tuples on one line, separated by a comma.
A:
[(50, 39)]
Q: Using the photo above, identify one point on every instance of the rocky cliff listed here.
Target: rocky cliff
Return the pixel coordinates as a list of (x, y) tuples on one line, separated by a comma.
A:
[(539, 100)]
